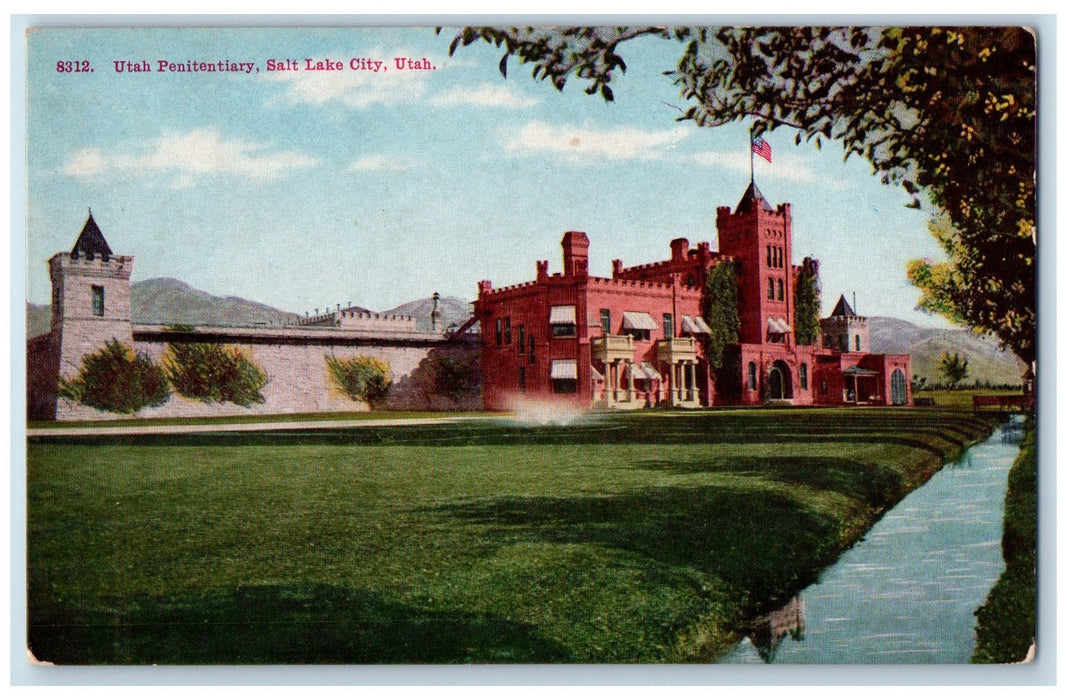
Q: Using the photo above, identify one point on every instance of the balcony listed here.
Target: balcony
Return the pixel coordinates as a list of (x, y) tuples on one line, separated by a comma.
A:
[(675, 350), (612, 348)]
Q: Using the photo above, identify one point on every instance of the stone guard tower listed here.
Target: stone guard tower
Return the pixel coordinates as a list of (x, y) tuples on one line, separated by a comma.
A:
[(844, 331), (90, 298)]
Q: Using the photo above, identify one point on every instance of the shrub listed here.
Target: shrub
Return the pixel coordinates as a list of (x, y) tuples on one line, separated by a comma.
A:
[(214, 373), (116, 379), (448, 373), (361, 378)]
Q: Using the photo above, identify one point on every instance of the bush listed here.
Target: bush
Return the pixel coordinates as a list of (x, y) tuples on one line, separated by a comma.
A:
[(361, 378), (214, 373), (454, 374), (117, 379)]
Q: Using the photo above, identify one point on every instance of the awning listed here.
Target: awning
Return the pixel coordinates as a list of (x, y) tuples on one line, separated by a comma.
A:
[(597, 376), (857, 371), (650, 371), (695, 325), (777, 326), (638, 320), (561, 314), (565, 369)]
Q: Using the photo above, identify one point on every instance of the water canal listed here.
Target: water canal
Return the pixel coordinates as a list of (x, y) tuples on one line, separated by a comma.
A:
[(905, 594)]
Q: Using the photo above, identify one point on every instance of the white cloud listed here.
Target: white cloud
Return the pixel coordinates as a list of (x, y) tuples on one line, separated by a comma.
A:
[(579, 144), (357, 88), (382, 163), (183, 156), (782, 168), (485, 95)]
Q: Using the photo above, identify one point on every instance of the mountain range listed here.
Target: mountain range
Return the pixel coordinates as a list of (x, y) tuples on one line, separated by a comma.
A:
[(168, 300)]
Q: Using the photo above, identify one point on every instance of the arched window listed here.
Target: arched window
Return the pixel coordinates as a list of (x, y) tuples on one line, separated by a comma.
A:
[(770, 259), (803, 376), (858, 344), (781, 292), (770, 288), (751, 376)]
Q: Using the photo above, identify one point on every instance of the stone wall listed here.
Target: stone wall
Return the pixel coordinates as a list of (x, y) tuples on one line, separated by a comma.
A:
[(295, 365)]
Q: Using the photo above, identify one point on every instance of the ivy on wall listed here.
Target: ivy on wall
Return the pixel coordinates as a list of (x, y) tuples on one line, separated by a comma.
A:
[(361, 378), (116, 379)]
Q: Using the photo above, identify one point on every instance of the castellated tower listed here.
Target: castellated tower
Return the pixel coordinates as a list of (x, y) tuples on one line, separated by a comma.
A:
[(90, 298), (760, 239)]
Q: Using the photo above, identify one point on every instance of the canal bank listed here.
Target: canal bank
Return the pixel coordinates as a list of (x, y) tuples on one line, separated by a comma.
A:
[(907, 591)]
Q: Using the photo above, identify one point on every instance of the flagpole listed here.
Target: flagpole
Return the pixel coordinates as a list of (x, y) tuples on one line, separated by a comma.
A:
[(751, 159)]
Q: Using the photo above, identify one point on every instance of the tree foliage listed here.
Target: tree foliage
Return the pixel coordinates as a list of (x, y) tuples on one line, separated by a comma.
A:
[(719, 308), (116, 379), (806, 304), (954, 368), (946, 113), (361, 378), (452, 373), (214, 373)]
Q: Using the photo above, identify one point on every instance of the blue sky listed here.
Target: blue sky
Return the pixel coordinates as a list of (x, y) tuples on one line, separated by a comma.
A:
[(307, 189)]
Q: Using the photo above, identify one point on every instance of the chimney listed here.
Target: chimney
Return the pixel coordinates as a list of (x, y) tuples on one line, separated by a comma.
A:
[(575, 254)]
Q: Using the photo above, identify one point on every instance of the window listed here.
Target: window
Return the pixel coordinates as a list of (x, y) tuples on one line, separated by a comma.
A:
[(564, 376), (562, 320), (770, 258), (690, 281), (668, 326), (803, 376), (605, 321), (857, 343), (522, 379), (781, 293), (751, 376), (770, 288), (521, 345), (507, 331), (98, 301), (639, 333), (533, 355)]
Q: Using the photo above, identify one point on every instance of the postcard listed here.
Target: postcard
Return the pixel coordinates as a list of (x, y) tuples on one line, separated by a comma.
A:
[(547, 345)]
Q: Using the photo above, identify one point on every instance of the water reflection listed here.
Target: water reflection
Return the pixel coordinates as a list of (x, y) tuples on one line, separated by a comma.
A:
[(766, 633), (907, 592)]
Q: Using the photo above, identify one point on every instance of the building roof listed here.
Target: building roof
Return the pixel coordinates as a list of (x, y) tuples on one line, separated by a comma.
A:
[(842, 308), (752, 198), (91, 241)]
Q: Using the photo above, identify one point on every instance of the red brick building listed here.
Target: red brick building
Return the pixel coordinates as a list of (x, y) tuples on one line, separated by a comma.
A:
[(637, 339)]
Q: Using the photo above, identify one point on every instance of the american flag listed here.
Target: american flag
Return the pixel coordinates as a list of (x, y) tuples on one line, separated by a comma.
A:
[(761, 148)]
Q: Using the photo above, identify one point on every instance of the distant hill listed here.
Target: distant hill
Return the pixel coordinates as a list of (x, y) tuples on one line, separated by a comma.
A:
[(167, 300), (38, 319), (454, 311), (986, 361)]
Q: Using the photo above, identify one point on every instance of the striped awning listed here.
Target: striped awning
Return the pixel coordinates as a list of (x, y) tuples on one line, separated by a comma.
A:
[(597, 376), (650, 371), (695, 325), (775, 325), (561, 314), (565, 369), (638, 320)]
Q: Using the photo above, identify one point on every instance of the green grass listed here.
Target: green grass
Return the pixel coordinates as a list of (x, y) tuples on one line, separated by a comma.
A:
[(1007, 621), (620, 538)]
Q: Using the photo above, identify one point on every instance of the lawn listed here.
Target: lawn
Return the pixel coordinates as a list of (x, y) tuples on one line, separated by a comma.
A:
[(619, 538)]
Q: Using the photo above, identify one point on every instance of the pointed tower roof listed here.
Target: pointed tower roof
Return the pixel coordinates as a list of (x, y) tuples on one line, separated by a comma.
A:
[(751, 199), (842, 308), (91, 241)]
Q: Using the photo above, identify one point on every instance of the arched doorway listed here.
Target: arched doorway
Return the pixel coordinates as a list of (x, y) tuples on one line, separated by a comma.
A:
[(898, 388), (780, 381)]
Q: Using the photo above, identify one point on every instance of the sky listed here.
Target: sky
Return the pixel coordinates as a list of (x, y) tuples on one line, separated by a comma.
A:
[(307, 189)]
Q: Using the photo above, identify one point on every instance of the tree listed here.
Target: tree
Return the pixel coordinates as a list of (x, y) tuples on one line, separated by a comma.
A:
[(452, 373), (946, 113), (806, 303), (214, 373), (718, 305), (361, 378), (116, 379), (954, 368)]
